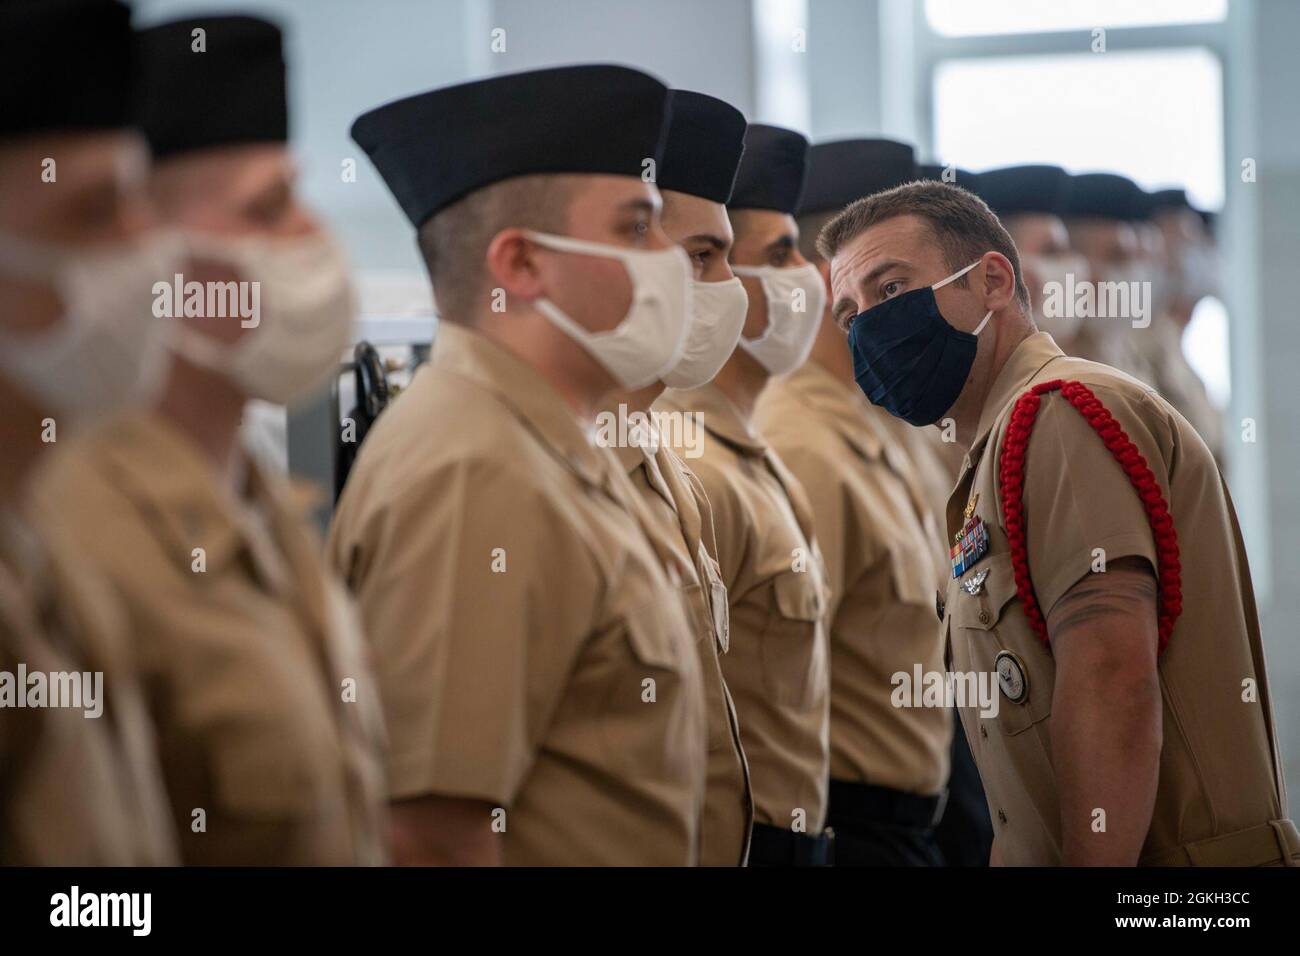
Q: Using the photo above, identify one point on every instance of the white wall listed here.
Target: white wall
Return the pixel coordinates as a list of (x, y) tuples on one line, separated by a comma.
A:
[(1262, 242), (703, 45)]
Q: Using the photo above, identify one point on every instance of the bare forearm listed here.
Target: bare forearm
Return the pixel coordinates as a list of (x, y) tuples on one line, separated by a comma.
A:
[(1106, 715), (437, 831), (1106, 737)]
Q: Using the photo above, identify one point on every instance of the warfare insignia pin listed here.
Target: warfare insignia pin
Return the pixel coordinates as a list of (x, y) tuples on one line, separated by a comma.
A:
[(1011, 677), (975, 583)]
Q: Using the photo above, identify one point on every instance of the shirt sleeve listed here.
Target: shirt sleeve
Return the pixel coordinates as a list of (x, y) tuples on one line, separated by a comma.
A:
[(1081, 509), (477, 595)]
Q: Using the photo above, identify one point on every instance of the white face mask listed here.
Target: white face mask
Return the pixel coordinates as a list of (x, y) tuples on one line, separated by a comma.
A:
[(1197, 273), (651, 337), (106, 350), (1054, 272), (796, 299), (718, 316), (306, 310)]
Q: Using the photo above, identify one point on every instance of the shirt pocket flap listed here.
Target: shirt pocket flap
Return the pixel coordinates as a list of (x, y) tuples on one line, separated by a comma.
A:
[(798, 597), (649, 634), (914, 575), (994, 585), (259, 782)]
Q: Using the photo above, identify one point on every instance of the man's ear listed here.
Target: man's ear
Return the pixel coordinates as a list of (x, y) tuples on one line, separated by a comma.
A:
[(511, 264), (999, 281)]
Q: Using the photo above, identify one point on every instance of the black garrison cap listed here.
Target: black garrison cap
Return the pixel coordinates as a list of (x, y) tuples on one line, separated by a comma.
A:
[(229, 91), (1164, 199), (772, 171), (848, 169), (64, 65), (961, 177), (702, 148), (437, 147), (1105, 196), (1168, 199), (1019, 189)]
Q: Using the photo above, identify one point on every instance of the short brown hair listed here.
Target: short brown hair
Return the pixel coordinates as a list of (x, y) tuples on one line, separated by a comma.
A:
[(454, 242), (963, 226)]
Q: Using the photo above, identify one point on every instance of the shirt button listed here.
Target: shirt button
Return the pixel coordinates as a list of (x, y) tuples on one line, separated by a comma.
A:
[(984, 731), (985, 617), (1002, 816)]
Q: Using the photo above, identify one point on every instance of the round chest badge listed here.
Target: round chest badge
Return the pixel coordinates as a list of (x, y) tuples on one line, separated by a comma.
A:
[(1011, 677)]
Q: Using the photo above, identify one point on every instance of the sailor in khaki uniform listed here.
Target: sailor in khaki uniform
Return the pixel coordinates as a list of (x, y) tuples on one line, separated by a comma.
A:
[(268, 718), (1097, 567), (1101, 213), (1031, 201), (701, 154), (777, 663), (79, 782), (540, 677), (1190, 273), (871, 479), (81, 785), (889, 764), (270, 747), (934, 453)]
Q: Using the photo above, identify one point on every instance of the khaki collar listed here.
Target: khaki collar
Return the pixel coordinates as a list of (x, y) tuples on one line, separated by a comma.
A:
[(718, 415), (848, 410), (533, 400), (168, 478), (631, 457), (1024, 363), (171, 482)]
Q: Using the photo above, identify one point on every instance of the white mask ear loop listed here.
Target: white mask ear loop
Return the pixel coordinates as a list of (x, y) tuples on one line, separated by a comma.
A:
[(954, 277)]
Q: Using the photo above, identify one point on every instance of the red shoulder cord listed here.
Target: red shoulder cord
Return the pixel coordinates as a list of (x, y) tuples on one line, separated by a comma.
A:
[(1011, 480)]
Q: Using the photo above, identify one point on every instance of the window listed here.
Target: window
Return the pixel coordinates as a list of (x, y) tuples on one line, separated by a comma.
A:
[(1153, 115), (1205, 344), (964, 18)]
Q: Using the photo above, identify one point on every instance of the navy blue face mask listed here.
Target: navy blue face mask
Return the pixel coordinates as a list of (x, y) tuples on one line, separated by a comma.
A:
[(907, 358)]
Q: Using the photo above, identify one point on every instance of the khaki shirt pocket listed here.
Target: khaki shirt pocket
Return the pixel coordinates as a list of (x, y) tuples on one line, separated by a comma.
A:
[(645, 690), (993, 625), (259, 781), (914, 575), (789, 642)]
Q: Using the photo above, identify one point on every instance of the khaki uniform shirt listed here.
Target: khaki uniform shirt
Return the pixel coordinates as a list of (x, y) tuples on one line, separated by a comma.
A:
[(1178, 383), (935, 462), (532, 650), (268, 717), (1220, 797), (777, 663), (676, 501), (75, 790), (879, 539)]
